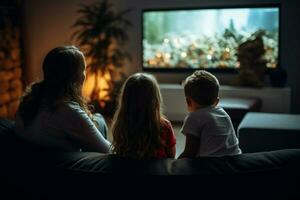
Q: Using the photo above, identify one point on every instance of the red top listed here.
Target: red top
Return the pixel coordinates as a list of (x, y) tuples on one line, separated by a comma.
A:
[(168, 139)]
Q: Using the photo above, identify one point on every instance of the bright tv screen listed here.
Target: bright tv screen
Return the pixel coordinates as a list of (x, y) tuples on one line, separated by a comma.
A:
[(206, 38)]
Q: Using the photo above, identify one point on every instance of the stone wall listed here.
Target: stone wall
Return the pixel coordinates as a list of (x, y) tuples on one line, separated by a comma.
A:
[(11, 86)]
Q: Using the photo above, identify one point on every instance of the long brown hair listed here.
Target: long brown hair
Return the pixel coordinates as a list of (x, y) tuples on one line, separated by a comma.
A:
[(64, 74), (136, 127)]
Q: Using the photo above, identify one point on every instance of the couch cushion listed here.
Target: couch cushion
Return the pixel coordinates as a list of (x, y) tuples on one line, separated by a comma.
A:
[(238, 107), (269, 131), (94, 163), (9, 142)]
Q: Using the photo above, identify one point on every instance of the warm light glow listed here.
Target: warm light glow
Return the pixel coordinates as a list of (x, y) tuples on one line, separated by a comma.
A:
[(102, 86)]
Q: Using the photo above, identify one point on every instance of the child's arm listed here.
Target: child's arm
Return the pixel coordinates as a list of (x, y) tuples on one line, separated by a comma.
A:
[(192, 145), (170, 139)]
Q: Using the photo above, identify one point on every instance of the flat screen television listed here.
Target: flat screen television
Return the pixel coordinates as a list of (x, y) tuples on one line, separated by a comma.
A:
[(207, 38)]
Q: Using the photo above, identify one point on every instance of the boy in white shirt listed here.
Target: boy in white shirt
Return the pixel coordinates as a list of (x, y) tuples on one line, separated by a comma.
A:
[(207, 127)]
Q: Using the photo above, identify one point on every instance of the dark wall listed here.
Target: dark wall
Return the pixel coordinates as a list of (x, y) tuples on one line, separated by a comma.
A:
[(290, 48), (289, 41)]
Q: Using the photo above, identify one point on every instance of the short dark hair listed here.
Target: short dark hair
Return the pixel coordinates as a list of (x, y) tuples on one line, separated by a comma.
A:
[(202, 87)]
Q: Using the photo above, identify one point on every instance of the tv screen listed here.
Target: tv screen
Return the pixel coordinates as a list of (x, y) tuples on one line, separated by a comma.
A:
[(206, 38)]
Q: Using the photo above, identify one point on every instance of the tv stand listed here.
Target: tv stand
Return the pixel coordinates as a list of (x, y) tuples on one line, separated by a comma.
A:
[(274, 100)]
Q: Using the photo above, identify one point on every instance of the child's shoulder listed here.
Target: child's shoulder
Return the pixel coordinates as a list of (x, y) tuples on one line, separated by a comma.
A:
[(218, 110), (203, 115), (209, 110), (201, 112), (71, 110), (165, 122)]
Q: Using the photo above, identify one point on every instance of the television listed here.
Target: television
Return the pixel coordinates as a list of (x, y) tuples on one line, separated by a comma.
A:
[(207, 38)]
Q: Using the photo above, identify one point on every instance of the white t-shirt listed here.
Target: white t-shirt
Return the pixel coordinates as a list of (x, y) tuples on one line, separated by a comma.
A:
[(213, 126), (68, 128)]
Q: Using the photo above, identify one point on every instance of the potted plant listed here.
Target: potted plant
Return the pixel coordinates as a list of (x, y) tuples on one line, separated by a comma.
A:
[(100, 32)]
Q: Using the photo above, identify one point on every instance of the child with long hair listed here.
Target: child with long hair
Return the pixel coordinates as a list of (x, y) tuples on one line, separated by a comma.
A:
[(53, 113), (139, 129)]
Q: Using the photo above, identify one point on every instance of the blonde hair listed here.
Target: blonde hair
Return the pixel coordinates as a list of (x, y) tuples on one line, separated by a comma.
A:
[(63, 69), (136, 127)]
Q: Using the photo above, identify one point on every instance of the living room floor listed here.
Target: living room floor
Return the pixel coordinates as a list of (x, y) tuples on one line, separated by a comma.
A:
[(180, 139)]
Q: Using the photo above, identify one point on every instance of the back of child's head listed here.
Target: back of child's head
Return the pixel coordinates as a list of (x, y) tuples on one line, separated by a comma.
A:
[(136, 124), (202, 87), (140, 92)]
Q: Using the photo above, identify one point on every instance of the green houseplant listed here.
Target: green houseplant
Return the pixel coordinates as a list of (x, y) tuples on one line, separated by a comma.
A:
[(100, 32)]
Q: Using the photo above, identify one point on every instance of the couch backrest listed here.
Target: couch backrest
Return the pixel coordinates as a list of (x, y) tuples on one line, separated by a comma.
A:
[(83, 172), (9, 142), (245, 163), (6, 134), (13, 147), (6, 126), (112, 164)]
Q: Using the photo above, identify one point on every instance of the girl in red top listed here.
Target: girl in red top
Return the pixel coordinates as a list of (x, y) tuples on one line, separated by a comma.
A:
[(139, 130)]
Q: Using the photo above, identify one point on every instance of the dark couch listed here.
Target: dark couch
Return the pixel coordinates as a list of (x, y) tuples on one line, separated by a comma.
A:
[(28, 171)]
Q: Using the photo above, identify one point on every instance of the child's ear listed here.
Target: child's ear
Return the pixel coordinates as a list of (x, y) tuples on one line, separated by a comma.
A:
[(188, 101), (217, 101)]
